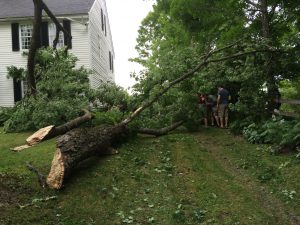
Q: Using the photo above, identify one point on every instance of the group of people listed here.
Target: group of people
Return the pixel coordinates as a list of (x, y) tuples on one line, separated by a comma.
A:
[(215, 109)]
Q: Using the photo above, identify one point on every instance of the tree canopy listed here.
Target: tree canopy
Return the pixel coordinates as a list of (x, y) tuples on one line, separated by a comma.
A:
[(174, 36)]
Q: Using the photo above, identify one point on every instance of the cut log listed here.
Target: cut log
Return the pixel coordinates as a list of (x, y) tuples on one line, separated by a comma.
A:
[(40, 135), (162, 131), (53, 131), (80, 144)]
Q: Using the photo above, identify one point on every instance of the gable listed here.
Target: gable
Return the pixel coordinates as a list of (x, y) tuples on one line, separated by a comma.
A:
[(25, 8)]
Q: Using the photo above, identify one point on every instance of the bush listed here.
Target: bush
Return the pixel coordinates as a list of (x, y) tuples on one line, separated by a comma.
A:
[(282, 133), (62, 91), (111, 117), (5, 114)]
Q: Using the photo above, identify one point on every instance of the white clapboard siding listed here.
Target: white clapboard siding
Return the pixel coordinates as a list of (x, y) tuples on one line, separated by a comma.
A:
[(80, 42), (8, 58), (100, 45)]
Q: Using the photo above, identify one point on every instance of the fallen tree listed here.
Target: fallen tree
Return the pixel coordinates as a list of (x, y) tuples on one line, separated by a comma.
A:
[(82, 143)]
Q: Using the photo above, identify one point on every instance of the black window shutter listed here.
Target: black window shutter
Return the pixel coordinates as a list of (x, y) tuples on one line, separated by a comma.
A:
[(15, 37), (105, 25), (112, 63), (67, 26), (102, 20), (110, 67), (44, 34), (17, 90)]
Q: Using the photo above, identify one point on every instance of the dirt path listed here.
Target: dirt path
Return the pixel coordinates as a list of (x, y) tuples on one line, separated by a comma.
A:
[(269, 202)]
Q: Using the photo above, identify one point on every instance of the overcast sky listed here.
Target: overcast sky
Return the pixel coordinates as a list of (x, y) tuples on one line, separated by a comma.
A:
[(125, 17)]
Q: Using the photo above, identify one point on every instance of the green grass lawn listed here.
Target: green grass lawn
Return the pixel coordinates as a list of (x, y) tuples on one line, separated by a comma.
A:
[(208, 177)]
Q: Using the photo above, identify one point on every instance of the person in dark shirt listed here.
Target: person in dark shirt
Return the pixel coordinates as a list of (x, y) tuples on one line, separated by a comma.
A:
[(222, 105)]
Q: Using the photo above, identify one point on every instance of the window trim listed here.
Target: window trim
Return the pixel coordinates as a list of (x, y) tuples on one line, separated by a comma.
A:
[(20, 35), (61, 39)]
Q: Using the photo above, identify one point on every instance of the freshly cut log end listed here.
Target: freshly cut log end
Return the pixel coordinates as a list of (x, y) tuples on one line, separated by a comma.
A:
[(38, 136), (56, 175)]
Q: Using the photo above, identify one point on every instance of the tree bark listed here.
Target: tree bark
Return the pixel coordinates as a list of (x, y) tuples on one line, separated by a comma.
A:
[(34, 46), (80, 144), (273, 90), (162, 131), (52, 131)]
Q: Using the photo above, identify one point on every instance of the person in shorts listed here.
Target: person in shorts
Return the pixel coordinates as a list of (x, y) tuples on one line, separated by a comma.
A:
[(222, 106), (204, 111), (212, 101)]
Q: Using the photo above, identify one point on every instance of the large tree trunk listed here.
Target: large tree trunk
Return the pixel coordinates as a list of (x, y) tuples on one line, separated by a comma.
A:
[(34, 46), (39, 6), (273, 90), (80, 144)]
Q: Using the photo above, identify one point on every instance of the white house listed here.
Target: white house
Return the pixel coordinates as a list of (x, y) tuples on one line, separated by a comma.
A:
[(86, 20)]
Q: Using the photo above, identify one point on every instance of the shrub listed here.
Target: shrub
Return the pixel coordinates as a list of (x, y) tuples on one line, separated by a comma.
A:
[(5, 114), (282, 133), (62, 91)]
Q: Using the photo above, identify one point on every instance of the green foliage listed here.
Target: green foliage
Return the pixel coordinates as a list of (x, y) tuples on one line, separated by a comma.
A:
[(290, 89), (109, 95), (16, 73), (276, 131), (111, 117), (177, 33), (21, 119), (238, 125), (62, 91), (292, 137), (5, 114)]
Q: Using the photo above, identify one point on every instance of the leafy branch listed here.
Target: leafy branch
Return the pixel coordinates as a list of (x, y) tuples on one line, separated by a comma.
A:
[(205, 60)]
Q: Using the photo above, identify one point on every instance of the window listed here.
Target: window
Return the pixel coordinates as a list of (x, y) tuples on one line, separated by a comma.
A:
[(52, 35), (26, 35)]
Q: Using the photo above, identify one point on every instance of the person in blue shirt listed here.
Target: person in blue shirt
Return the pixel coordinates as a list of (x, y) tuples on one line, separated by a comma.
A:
[(222, 105)]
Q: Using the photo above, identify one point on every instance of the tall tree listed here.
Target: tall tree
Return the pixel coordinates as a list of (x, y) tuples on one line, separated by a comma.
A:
[(39, 6), (35, 44), (173, 35)]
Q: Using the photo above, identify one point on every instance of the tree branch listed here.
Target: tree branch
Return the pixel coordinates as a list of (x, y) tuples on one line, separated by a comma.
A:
[(239, 55), (52, 131), (160, 132), (41, 177), (188, 74), (59, 27)]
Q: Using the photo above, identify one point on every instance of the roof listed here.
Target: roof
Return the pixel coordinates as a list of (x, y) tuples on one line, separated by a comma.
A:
[(25, 8)]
